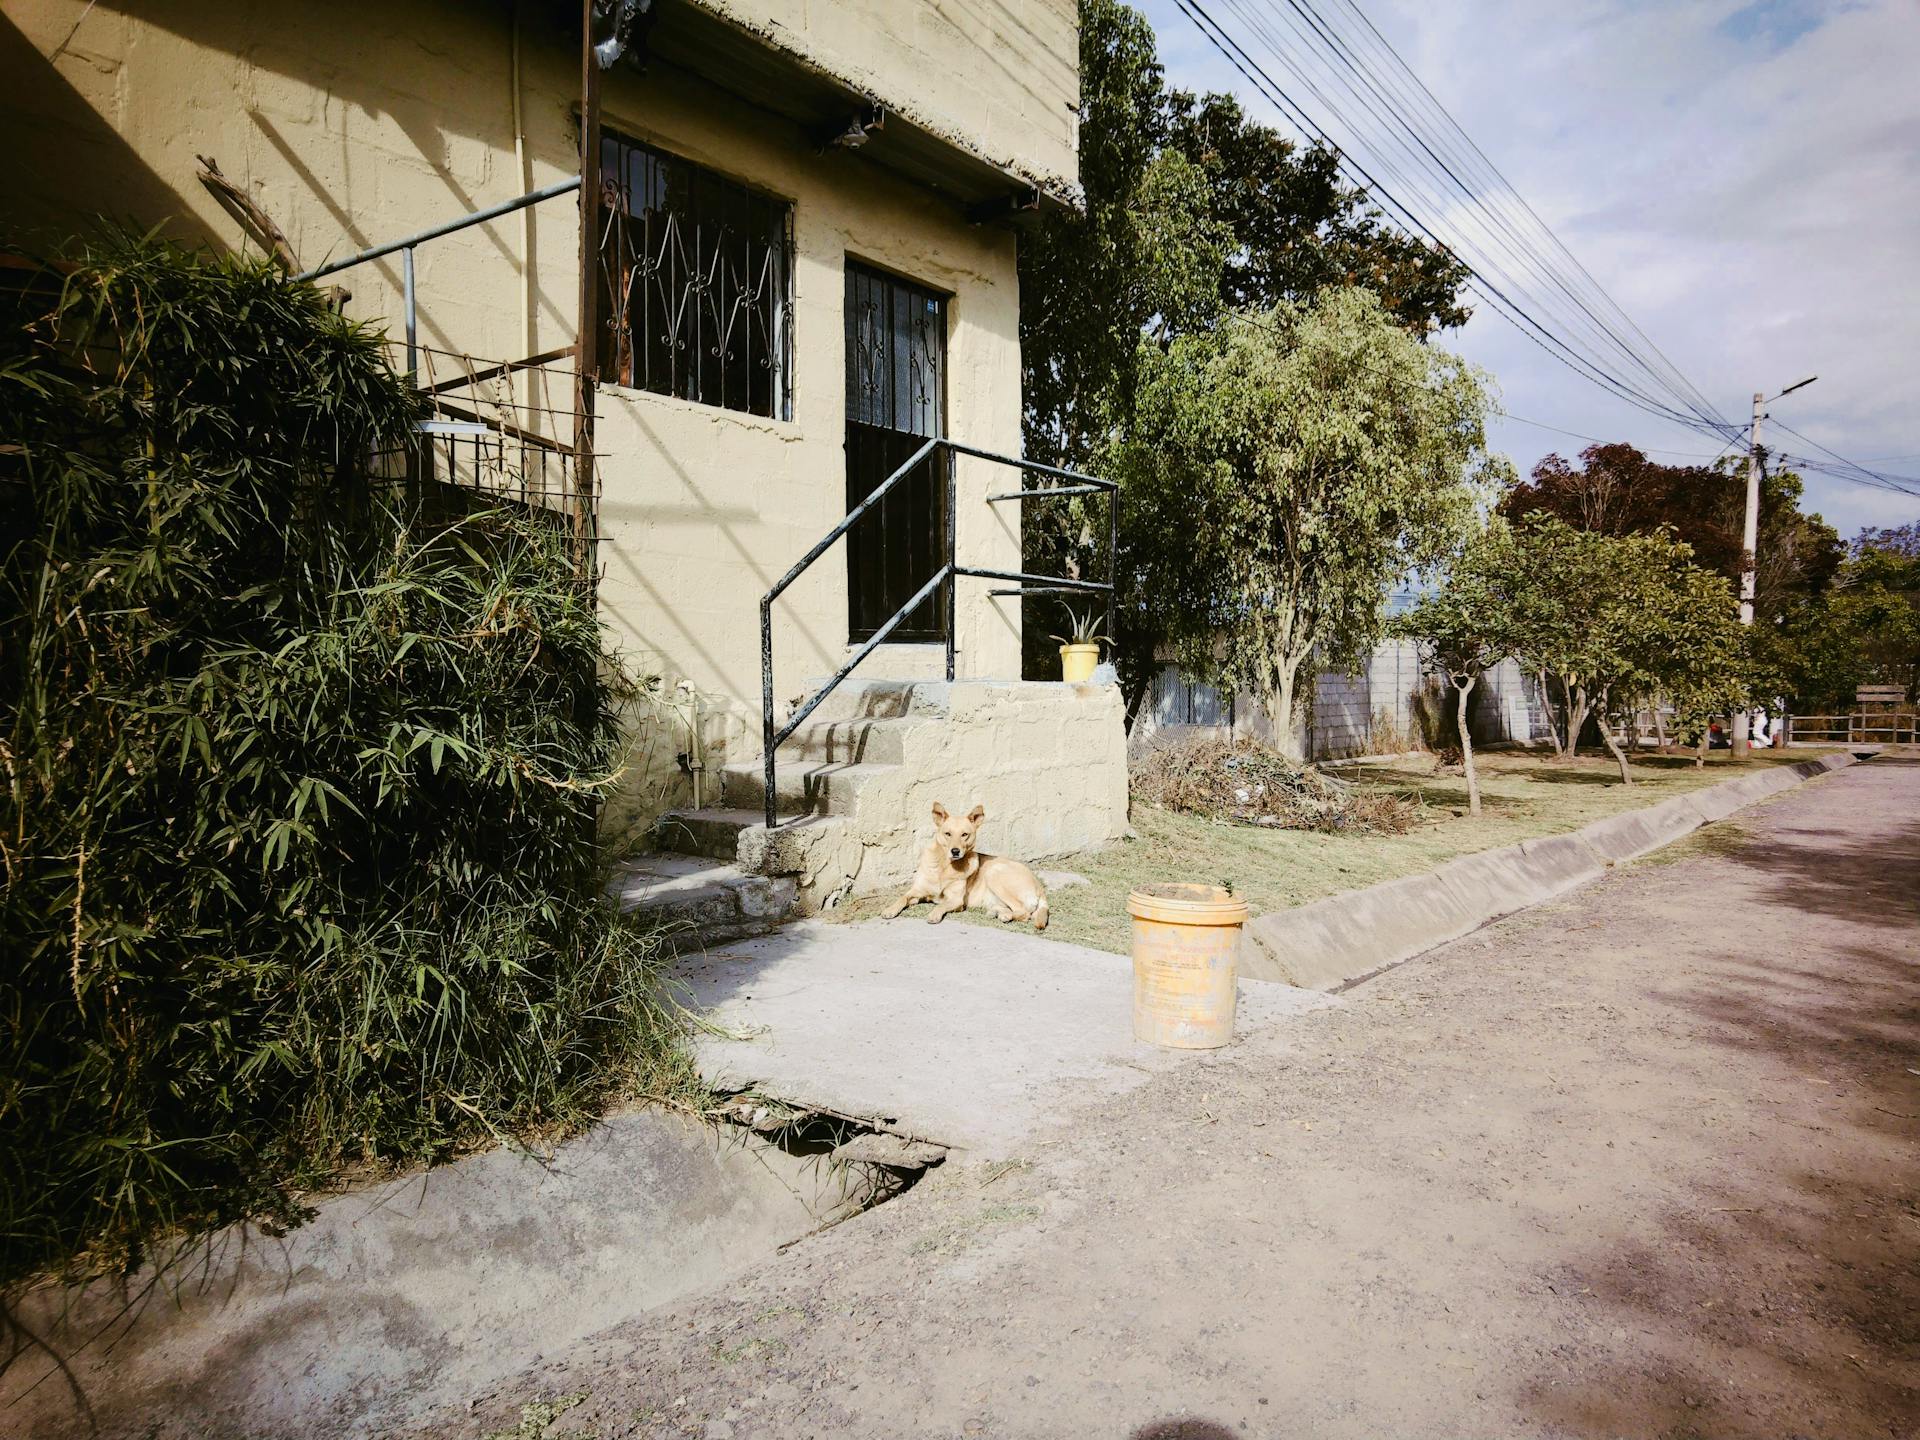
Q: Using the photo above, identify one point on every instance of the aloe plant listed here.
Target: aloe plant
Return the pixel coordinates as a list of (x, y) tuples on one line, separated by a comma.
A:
[(1081, 629)]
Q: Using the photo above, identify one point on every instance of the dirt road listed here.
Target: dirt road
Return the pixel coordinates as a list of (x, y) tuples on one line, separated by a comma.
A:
[(1639, 1163)]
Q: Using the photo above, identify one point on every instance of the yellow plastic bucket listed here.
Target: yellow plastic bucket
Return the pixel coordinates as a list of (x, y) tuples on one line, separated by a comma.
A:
[(1185, 942), (1078, 662)]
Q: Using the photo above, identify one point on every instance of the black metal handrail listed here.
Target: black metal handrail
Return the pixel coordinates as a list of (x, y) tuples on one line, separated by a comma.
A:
[(1025, 584), (408, 243)]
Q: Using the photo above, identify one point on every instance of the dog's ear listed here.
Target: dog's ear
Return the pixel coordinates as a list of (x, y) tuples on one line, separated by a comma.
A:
[(939, 811), (977, 814)]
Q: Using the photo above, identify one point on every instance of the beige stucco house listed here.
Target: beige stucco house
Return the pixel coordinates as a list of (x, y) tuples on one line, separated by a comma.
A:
[(807, 213)]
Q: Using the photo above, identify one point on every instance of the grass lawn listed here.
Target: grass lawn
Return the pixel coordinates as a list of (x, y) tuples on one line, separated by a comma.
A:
[(1522, 795)]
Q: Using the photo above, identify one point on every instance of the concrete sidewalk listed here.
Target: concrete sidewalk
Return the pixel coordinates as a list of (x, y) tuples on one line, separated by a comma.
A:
[(960, 1034), (1637, 1162)]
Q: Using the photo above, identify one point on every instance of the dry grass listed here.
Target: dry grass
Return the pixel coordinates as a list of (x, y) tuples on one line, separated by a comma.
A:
[(1254, 784), (1523, 795)]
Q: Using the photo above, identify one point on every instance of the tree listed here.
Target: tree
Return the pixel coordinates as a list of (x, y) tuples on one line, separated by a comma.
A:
[(1697, 653), (1146, 252), (1299, 228), (1280, 473), (1621, 619), (1617, 490), (1879, 597), (1817, 651), (1190, 207), (1467, 626)]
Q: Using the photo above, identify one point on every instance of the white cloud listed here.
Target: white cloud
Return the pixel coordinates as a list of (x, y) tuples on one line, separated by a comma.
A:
[(1744, 179)]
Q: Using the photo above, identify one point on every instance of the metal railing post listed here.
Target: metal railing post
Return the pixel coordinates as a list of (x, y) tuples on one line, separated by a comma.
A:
[(413, 319), (1113, 576), (949, 574), (953, 584), (766, 700)]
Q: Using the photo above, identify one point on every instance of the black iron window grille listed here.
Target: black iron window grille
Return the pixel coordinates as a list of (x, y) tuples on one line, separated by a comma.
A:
[(695, 283)]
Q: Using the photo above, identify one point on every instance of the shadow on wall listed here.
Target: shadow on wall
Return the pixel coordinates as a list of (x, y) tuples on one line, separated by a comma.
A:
[(1183, 1429), (667, 730), (440, 79), (63, 164)]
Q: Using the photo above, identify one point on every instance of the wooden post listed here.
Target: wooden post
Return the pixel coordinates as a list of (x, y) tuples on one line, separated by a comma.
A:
[(587, 335)]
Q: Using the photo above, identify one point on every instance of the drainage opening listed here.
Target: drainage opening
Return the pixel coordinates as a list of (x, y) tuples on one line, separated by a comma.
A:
[(871, 1163)]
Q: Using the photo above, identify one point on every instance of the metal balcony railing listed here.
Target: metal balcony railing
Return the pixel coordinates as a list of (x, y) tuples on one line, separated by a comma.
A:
[(1077, 484)]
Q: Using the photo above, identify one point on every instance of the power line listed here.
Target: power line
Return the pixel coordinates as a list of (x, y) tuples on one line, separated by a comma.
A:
[(1508, 193), (1596, 440), (1841, 467), (1257, 77), (1505, 259), (1831, 471), (1386, 103)]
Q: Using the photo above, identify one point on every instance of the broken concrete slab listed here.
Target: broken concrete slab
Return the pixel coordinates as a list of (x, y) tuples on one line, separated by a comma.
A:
[(1343, 938), (896, 1152), (965, 1035), (418, 1294)]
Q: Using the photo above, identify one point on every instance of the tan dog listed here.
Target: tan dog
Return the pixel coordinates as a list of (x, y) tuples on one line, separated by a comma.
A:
[(955, 876)]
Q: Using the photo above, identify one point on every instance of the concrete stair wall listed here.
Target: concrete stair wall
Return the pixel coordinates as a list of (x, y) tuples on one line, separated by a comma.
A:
[(857, 783)]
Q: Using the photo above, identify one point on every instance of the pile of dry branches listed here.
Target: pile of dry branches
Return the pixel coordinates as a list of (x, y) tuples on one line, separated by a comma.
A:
[(1254, 784)]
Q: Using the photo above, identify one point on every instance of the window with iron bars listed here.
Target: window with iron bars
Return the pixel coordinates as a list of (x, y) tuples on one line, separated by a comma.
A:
[(695, 283)]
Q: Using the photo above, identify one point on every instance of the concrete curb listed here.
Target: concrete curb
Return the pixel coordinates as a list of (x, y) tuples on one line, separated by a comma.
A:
[(1344, 937)]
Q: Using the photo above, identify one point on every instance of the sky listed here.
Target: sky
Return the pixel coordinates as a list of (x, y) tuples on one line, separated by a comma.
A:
[(1742, 178)]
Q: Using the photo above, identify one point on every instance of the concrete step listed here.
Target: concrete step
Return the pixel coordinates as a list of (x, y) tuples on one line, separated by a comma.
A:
[(701, 897), (822, 852), (713, 832), (803, 787), (878, 700), (859, 741)]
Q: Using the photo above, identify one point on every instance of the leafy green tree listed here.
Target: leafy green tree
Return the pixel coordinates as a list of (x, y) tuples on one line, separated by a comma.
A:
[(1878, 598), (1299, 228), (1280, 473), (1622, 619), (1145, 255), (1617, 490), (1190, 207), (1468, 625), (1816, 651), (1698, 655)]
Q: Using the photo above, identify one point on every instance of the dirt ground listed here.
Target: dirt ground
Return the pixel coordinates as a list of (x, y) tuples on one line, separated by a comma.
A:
[(1638, 1163)]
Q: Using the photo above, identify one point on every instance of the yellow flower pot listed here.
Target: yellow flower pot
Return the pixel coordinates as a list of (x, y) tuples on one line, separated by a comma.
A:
[(1186, 943), (1078, 662)]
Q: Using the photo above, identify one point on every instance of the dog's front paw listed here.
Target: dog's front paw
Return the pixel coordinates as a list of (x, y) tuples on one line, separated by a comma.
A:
[(936, 917)]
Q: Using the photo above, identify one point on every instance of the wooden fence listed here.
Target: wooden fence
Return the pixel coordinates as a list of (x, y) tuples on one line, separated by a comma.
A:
[(1856, 728)]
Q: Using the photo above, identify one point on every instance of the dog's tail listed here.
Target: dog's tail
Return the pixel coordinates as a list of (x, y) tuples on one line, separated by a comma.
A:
[(1040, 914)]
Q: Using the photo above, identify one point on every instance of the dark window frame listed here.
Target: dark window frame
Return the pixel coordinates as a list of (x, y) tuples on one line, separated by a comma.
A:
[(694, 291)]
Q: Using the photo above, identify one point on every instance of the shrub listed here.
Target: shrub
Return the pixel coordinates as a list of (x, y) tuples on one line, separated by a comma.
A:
[(298, 831)]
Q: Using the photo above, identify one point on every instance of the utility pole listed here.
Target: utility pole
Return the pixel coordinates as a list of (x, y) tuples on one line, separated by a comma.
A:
[(1750, 545), (1749, 558)]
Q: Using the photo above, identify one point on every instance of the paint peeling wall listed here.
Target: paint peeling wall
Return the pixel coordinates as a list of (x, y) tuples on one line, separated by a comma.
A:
[(355, 123)]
